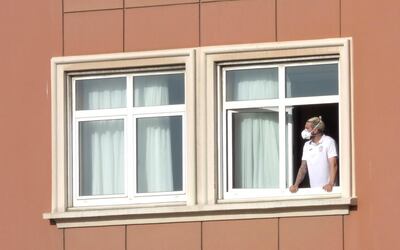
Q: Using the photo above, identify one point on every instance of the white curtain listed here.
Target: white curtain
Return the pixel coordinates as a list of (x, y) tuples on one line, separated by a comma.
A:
[(102, 141), (103, 93), (256, 134), (255, 84), (154, 154)]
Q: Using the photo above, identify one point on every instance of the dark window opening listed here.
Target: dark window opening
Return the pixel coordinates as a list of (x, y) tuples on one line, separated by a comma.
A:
[(300, 115)]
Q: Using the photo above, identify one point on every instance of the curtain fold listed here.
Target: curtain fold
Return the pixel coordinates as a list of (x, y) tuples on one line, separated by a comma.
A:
[(154, 147), (101, 141), (256, 133), (105, 93), (102, 157)]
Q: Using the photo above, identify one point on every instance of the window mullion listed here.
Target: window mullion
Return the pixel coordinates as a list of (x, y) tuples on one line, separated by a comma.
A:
[(130, 155), (282, 129)]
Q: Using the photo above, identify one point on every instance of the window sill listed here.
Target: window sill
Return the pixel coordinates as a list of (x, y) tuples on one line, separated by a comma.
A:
[(181, 213)]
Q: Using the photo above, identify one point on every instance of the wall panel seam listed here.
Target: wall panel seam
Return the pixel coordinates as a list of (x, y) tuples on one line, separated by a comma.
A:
[(94, 10), (62, 28), (201, 235), (199, 25), (126, 237), (161, 5), (340, 18), (343, 232), (279, 222), (276, 20), (123, 26), (63, 239)]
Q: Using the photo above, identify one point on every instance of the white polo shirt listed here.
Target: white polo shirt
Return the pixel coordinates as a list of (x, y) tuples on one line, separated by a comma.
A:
[(317, 155)]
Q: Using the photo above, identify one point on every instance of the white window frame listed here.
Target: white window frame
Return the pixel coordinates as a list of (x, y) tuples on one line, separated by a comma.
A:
[(280, 104), (277, 53), (129, 114), (204, 199), (65, 71)]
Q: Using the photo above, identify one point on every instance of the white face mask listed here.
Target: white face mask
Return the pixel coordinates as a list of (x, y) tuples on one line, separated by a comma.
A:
[(305, 134)]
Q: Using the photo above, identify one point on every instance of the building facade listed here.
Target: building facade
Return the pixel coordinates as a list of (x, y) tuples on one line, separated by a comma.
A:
[(192, 32)]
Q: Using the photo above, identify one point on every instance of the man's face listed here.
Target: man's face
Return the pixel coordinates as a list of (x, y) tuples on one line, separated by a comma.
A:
[(308, 126)]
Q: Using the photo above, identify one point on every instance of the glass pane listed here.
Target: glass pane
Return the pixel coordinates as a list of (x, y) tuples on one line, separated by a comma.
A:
[(255, 150), (251, 84), (154, 90), (159, 154), (103, 93), (101, 161), (312, 80)]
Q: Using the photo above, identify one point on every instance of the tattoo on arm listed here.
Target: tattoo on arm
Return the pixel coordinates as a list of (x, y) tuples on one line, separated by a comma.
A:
[(302, 173)]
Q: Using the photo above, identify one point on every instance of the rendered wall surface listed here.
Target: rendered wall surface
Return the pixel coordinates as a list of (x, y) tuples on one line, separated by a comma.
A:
[(34, 31), (30, 34)]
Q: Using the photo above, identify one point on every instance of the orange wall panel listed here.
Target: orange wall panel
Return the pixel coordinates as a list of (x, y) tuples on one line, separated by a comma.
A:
[(374, 26), (165, 27), (93, 32), (256, 234), (230, 22), (311, 233), (83, 5), (98, 238), (308, 19), (176, 236), (31, 33)]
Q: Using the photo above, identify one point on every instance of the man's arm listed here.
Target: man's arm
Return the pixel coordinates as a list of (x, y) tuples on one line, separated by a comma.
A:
[(332, 174), (300, 177)]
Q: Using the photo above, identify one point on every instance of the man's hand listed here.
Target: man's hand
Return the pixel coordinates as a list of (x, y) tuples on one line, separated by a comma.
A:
[(293, 188), (328, 187)]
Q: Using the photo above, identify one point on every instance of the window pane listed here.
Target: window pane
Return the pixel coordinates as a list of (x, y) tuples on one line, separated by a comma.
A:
[(255, 150), (101, 150), (154, 90), (251, 84), (312, 80), (104, 93), (159, 154)]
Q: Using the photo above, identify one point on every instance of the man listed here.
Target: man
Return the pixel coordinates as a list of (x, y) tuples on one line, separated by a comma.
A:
[(319, 157)]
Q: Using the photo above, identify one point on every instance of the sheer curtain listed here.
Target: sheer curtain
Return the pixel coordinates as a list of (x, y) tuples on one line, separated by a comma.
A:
[(101, 141), (155, 172), (256, 133)]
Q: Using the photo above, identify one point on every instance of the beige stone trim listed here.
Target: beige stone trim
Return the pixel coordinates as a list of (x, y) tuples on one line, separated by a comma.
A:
[(202, 133)]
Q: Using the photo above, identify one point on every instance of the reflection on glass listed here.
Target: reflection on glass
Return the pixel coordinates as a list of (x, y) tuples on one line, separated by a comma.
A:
[(159, 154), (101, 161), (255, 150), (154, 90), (251, 84), (102, 93), (312, 80)]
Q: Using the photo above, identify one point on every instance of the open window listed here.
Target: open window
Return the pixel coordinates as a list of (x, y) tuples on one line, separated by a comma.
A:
[(264, 107)]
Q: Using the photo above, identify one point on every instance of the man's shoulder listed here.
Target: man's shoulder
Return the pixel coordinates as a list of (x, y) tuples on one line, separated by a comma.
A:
[(328, 139), (307, 143)]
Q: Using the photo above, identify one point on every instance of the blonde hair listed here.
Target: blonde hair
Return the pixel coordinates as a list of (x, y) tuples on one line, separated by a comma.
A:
[(317, 123)]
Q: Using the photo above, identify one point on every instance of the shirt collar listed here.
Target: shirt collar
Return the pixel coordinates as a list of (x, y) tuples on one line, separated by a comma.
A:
[(320, 141)]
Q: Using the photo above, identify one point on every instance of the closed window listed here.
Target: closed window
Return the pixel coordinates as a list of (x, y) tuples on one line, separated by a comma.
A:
[(128, 138)]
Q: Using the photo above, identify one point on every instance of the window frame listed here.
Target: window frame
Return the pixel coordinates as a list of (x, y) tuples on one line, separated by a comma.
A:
[(202, 74), (281, 103), (64, 70), (129, 114), (217, 57)]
